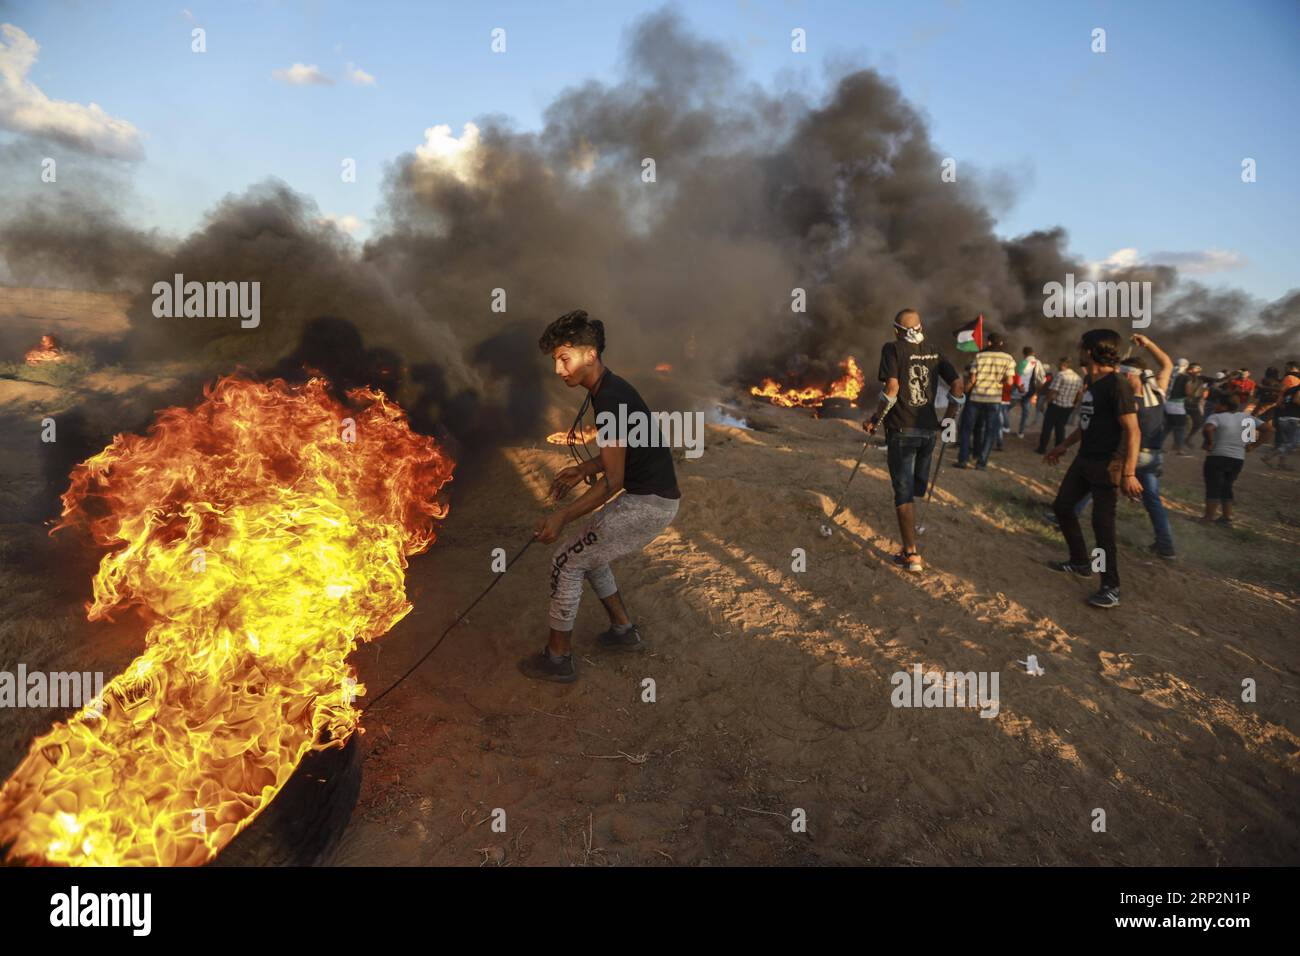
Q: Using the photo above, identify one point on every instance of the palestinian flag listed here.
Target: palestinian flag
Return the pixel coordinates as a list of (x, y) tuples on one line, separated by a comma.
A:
[(970, 337)]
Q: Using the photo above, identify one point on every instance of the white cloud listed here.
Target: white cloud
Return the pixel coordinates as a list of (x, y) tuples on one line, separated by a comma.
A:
[(443, 150), (1195, 262), (301, 74), (1200, 262), (1125, 258), (359, 76), (25, 109), (347, 223)]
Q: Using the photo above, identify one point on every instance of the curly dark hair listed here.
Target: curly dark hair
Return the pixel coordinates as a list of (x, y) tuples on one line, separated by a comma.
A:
[(574, 328), (1102, 345)]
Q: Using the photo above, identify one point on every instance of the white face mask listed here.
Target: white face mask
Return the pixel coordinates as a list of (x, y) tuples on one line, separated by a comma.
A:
[(914, 335)]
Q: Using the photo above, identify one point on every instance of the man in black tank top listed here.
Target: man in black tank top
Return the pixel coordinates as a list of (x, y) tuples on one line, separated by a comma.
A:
[(642, 470)]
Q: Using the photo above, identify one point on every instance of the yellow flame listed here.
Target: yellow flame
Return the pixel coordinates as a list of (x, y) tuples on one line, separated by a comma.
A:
[(304, 538), (849, 386)]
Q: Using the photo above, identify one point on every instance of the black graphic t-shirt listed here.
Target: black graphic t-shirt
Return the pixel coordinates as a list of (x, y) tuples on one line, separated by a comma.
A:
[(1104, 401), (646, 470), (918, 369)]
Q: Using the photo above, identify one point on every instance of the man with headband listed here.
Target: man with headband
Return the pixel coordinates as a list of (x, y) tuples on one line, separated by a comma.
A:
[(910, 369)]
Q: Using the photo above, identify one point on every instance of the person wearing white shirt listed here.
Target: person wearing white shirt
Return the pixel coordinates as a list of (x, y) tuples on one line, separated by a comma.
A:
[(1226, 441)]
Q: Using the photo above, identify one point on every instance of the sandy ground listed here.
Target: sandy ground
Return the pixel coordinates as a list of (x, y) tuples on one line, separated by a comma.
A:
[(772, 686)]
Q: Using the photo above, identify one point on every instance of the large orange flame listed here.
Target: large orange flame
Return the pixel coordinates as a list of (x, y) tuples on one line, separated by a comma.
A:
[(262, 534), (849, 385)]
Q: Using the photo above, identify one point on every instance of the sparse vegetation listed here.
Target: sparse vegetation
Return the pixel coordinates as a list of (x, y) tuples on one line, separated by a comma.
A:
[(70, 371)]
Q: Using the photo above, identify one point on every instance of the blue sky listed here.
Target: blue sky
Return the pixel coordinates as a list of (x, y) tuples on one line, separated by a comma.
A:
[(1139, 147)]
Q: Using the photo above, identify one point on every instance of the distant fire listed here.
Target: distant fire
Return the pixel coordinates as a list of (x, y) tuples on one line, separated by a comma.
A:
[(48, 351), (663, 368), (586, 436), (262, 535), (847, 386)]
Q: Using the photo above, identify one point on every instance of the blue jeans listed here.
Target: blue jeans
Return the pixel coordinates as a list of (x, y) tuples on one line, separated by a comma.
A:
[(1148, 474), (1025, 403), (979, 415), (908, 451)]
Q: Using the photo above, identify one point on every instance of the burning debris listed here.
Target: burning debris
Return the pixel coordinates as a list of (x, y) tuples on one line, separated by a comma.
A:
[(48, 351), (586, 436), (263, 535), (847, 387)]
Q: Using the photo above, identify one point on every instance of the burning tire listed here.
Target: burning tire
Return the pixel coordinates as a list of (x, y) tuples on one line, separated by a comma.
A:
[(303, 824), (264, 532), (838, 408)]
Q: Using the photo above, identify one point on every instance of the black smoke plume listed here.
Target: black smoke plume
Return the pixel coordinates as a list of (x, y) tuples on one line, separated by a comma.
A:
[(756, 193)]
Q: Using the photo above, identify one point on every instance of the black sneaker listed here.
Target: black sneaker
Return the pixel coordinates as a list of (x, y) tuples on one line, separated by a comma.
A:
[(1079, 570), (960, 464), (543, 667), (1167, 555), (1050, 518), (628, 640), (1106, 597)]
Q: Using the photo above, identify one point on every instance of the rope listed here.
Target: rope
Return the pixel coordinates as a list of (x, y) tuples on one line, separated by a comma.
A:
[(572, 442), (460, 617)]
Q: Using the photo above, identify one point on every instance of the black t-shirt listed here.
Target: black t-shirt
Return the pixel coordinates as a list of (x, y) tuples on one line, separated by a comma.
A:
[(646, 470), (1104, 401), (917, 368)]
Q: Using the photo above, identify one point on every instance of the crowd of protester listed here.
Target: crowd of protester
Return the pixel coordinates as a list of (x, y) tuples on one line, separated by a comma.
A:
[(1120, 407), (1170, 406), (1048, 398)]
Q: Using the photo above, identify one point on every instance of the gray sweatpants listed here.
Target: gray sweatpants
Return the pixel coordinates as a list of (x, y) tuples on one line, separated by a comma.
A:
[(625, 525)]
